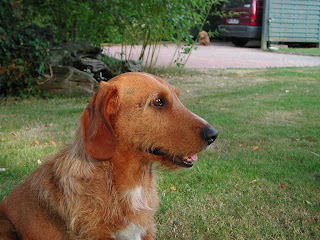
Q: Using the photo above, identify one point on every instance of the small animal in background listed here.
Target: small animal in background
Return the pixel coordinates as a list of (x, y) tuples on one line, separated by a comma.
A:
[(204, 39)]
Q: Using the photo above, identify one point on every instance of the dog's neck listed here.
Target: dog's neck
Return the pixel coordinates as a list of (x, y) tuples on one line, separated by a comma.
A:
[(134, 181), (131, 169), (128, 169)]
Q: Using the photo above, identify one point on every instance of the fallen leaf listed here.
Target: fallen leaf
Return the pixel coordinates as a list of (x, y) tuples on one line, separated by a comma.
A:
[(14, 134), (53, 143), (253, 181), (308, 202), (282, 185), (173, 188), (45, 143), (256, 148), (309, 219)]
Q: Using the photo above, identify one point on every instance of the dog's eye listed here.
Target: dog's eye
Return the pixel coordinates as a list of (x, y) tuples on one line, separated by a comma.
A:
[(158, 102)]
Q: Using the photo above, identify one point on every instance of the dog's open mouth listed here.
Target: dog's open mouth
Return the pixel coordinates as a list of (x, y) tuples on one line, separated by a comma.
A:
[(186, 161)]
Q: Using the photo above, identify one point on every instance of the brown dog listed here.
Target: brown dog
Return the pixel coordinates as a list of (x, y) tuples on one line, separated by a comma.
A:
[(204, 39), (102, 185)]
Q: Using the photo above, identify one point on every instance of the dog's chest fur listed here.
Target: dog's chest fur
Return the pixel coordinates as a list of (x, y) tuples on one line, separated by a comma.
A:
[(139, 202), (131, 232), (126, 201)]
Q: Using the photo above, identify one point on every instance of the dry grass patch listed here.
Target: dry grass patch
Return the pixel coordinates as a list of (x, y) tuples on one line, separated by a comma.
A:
[(279, 117)]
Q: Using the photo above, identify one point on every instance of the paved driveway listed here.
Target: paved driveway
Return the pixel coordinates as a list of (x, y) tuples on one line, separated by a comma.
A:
[(225, 55)]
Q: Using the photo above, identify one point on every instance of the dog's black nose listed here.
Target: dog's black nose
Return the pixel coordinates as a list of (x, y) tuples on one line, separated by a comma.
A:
[(209, 134)]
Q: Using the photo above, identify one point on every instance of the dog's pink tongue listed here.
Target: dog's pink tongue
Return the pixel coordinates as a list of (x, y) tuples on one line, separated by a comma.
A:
[(193, 157)]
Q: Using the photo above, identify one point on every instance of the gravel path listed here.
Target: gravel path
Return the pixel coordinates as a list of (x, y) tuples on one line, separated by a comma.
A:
[(225, 55)]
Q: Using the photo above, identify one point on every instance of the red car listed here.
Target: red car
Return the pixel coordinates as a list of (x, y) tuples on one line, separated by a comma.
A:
[(242, 21)]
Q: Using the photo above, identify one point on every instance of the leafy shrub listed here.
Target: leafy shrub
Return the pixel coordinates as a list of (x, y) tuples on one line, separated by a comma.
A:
[(22, 55), (22, 61)]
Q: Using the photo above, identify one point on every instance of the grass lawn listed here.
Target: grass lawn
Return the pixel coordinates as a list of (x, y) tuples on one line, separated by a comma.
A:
[(315, 51), (259, 180)]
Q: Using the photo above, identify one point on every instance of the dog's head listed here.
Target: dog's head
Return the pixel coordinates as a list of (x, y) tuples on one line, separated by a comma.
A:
[(139, 112), (203, 35)]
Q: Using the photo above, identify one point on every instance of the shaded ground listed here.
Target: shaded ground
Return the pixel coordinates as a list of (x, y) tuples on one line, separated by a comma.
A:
[(225, 55)]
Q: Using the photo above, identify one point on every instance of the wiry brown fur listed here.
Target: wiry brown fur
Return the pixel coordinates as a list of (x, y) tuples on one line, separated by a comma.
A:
[(204, 39), (102, 186)]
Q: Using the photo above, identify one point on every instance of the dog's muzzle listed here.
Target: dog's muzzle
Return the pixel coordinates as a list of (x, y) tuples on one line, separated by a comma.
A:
[(208, 134)]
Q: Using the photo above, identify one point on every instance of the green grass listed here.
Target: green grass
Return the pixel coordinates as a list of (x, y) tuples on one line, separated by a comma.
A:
[(232, 192), (313, 51)]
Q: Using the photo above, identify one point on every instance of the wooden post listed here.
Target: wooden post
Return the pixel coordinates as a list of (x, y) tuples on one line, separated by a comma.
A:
[(265, 24)]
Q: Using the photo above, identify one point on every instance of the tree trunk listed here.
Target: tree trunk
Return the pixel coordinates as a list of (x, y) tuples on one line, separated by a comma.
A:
[(75, 30)]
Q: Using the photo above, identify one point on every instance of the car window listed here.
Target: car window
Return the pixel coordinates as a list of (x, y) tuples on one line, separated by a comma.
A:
[(238, 4)]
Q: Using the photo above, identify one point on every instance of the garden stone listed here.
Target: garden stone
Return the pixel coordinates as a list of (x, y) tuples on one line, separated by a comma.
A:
[(99, 69), (69, 80), (66, 54), (77, 67), (131, 66)]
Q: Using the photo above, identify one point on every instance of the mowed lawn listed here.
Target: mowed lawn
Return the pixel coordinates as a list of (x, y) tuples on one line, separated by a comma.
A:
[(259, 180)]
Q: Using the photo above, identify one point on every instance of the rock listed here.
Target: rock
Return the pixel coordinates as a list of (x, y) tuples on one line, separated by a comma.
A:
[(131, 66), (82, 56), (99, 69), (65, 54), (77, 67), (86, 57), (118, 66), (69, 80)]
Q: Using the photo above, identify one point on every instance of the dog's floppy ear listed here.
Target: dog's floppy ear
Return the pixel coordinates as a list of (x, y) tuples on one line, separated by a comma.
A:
[(96, 127)]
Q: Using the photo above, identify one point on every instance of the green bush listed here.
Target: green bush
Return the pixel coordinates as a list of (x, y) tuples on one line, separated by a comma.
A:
[(22, 56), (22, 62)]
